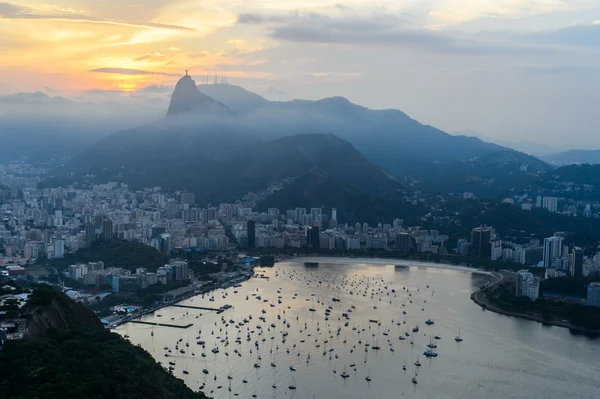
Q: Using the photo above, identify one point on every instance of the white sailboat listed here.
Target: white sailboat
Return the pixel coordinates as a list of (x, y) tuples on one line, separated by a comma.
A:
[(458, 338)]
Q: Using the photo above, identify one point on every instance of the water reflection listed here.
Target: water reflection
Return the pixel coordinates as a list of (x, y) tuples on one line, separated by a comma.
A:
[(499, 357)]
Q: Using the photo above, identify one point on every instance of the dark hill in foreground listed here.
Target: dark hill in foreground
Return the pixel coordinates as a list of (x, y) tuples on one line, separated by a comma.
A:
[(70, 355)]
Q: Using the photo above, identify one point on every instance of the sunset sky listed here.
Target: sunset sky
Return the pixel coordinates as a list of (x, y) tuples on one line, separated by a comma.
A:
[(459, 64)]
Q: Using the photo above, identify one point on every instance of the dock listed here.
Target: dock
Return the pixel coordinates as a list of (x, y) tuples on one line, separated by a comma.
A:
[(161, 324), (196, 307), (218, 310)]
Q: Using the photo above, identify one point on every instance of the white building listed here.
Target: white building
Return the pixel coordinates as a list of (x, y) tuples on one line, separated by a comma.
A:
[(527, 285), (553, 248), (59, 248), (550, 203)]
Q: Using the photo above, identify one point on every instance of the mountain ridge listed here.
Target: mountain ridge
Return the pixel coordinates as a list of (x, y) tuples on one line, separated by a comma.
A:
[(389, 138), (573, 157)]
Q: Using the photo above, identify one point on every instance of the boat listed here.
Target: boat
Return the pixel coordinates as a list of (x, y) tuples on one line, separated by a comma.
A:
[(418, 363), (344, 375), (429, 322), (431, 344), (292, 368), (416, 329), (458, 338), (311, 264), (368, 377), (293, 385), (430, 353)]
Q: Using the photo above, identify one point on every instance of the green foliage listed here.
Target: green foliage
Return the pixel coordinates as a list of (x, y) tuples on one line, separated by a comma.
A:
[(116, 253), (83, 360), (577, 314), (84, 363), (568, 286), (203, 269)]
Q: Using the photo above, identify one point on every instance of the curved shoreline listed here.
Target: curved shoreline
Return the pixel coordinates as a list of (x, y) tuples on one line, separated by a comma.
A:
[(389, 261), (479, 298)]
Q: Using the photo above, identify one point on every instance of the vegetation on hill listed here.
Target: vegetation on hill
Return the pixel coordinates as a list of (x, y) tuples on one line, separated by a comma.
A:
[(80, 359), (116, 253)]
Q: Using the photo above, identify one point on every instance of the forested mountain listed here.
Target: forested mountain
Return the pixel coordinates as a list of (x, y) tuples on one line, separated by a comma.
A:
[(388, 138), (68, 354)]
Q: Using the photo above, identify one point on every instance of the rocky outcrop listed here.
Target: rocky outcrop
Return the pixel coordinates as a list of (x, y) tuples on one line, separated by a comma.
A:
[(57, 312), (187, 100)]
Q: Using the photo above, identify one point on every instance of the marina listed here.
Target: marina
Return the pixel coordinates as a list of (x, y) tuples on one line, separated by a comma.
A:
[(286, 331)]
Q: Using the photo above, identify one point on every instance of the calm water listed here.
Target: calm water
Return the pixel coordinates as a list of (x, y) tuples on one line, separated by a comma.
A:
[(500, 357)]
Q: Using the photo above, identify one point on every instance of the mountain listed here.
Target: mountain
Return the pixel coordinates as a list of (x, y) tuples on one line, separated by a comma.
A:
[(67, 353), (528, 147), (388, 138), (188, 99), (223, 157), (235, 97), (574, 157)]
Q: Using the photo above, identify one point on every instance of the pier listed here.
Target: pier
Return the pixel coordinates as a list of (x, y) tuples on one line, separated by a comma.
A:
[(161, 324), (218, 310)]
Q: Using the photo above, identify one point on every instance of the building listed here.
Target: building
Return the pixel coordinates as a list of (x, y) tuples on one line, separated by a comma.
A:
[(334, 214), (313, 237), (527, 285), (107, 229), (480, 242), (465, 248), (577, 262), (403, 243), (90, 234), (352, 242), (59, 248), (495, 249), (530, 255), (550, 203), (166, 243), (593, 294), (553, 248), (251, 232)]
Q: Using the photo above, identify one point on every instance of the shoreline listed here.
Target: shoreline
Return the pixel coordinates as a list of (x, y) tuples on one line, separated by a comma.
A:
[(479, 299), (242, 277), (389, 261)]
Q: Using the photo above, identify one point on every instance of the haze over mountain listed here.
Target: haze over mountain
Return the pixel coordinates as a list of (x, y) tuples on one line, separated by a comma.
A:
[(222, 156), (573, 157), (388, 138), (529, 147), (188, 99)]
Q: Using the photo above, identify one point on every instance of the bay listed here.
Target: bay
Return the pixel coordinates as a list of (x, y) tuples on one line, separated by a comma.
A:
[(499, 357)]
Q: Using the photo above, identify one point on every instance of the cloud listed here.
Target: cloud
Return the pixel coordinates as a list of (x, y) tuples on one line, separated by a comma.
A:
[(128, 71), (260, 19), (378, 30), (578, 35), (155, 89), (18, 12), (154, 57)]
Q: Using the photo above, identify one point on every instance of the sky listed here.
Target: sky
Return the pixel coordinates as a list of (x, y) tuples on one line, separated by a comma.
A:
[(507, 70)]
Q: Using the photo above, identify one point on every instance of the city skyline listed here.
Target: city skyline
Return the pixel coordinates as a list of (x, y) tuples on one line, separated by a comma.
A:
[(492, 67)]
